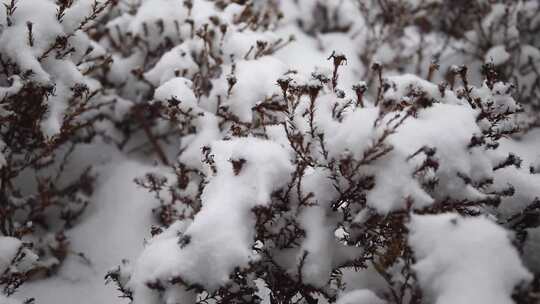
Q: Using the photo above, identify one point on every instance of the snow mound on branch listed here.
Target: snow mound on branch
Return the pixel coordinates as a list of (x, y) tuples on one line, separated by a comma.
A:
[(178, 59), (45, 27), (323, 251), (221, 236), (180, 89), (452, 153), (39, 56), (9, 249), (465, 260), (396, 175), (498, 55), (256, 80)]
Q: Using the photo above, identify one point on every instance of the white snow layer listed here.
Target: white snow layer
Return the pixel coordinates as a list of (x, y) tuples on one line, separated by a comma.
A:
[(465, 260), (222, 233)]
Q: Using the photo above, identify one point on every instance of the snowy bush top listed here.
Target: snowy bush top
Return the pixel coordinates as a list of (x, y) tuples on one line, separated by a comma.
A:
[(468, 245)]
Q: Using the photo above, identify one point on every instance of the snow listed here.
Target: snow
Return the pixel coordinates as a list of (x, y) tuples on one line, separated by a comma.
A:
[(358, 132), (15, 257), (113, 230), (177, 59), (256, 81), (456, 260), (531, 249), (497, 55), (145, 22), (180, 89), (9, 247), (208, 131), (221, 235), (324, 252), (45, 26), (361, 296), (5, 300), (238, 157), (62, 73)]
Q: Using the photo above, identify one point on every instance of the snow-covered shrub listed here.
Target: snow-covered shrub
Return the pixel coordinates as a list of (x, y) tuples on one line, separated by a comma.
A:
[(287, 188), (49, 104), (158, 41), (422, 36), (380, 175)]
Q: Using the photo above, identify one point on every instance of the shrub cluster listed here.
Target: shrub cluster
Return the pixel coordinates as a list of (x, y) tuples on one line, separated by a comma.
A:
[(376, 174)]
